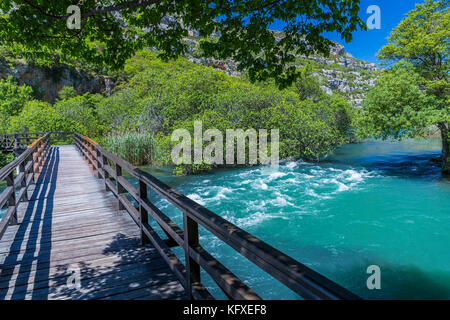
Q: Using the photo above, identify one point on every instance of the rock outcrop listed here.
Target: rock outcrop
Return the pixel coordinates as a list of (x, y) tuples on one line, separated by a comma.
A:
[(48, 81), (339, 72)]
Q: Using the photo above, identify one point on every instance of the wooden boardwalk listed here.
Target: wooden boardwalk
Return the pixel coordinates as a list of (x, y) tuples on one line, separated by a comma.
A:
[(71, 226), (74, 227)]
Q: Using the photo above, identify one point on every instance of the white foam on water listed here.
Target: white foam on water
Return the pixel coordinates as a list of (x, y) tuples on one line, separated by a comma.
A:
[(254, 219), (221, 194), (280, 202), (312, 193), (276, 175), (195, 197), (260, 184), (291, 165)]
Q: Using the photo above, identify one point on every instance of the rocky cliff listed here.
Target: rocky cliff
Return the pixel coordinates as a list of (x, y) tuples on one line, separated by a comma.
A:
[(47, 81), (339, 72)]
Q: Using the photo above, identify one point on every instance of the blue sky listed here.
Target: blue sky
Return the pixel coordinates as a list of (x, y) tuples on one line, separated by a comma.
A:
[(365, 44)]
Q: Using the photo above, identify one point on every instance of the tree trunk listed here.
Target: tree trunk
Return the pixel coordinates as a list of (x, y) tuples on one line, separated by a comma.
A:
[(445, 147)]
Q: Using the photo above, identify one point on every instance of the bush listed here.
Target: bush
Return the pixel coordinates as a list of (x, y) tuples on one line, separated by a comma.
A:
[(82, 109), (5, 159), (39, 116), (67, 92), (12, 99)]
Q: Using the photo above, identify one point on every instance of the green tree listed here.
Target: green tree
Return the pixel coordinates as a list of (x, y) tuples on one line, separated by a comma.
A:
[(39, 116), (397, 107), (112, 31), (82, 109), (404, 103), (12, 99)]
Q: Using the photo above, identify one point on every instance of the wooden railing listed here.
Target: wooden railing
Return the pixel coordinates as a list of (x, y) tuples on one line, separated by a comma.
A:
[(296, 276), (19, 175), (9, 142)]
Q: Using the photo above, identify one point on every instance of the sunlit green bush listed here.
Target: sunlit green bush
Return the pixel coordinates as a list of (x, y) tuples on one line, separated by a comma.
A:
[(12, 99), (83, 110), (38, 116)]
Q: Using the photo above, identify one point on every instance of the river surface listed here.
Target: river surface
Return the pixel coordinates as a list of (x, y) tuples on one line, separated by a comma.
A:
[(374, 203)]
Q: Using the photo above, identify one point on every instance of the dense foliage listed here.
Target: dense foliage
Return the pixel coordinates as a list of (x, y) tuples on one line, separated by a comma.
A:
[(12, 100), (156, 97), (415, 92), (398, 107), (110, 32), (38, 116), (160, 97)]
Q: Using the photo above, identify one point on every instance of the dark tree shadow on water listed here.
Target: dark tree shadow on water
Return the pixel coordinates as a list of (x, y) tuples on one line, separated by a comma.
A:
[(410, 166), (348, 267), (404, 283)]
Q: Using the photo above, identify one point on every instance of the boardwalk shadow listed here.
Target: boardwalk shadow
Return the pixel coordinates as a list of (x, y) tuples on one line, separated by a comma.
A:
[(126, 270), (28, 256)]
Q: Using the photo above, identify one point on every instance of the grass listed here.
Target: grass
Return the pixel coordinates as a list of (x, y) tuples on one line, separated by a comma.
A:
[(138, 148)]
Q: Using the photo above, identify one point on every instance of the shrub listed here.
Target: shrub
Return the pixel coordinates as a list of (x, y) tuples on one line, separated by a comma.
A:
[(67, 92), (12, 99), (41, 117), (82, 109)]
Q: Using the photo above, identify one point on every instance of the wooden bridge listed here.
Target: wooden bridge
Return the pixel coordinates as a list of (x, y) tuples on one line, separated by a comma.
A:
[(75, 228)]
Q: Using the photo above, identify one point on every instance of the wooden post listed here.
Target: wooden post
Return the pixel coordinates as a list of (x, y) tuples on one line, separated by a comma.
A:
[(143, 214), (190, 238), (100, 171), (36, 159), (31, 170), (94, 158), (23, 184), (120, 189), (105, 173), (12, 197)]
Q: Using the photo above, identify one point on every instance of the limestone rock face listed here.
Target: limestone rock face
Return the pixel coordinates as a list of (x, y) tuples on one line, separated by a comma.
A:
[(48, 81), (339, 72)]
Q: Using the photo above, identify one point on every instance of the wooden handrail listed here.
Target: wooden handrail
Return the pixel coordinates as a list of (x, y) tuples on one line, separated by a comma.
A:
[(293, 274), (10, 142), (28, 164)]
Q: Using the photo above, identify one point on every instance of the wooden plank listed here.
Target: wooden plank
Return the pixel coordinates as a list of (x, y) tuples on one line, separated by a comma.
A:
[(92, 279), (71, 220)]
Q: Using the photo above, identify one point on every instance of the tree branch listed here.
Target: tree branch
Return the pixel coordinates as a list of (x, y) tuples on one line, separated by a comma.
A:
[(120, 7), (95, 11)]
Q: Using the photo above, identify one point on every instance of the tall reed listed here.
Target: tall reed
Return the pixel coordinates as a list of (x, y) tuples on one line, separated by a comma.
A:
[(138, 148)]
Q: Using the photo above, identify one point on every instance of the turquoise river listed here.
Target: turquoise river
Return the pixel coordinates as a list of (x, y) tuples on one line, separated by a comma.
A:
[(374, 203)]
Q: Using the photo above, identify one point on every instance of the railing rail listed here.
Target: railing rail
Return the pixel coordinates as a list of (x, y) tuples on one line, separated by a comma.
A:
[(19, 175), (296, 276), (10, 142)]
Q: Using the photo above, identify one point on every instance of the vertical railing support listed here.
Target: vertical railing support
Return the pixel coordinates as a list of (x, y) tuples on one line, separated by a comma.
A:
[(190, 239), (100, 171), (143, 214), (105, 173), (31, 169), (120, 189), (23, 184), (12, 197)]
